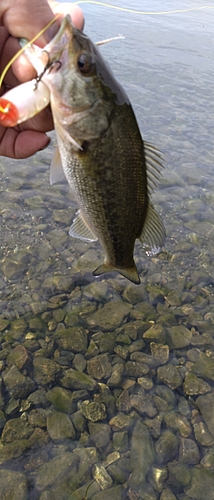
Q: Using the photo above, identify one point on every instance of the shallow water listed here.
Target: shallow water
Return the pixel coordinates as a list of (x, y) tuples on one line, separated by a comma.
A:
[(139, 424)]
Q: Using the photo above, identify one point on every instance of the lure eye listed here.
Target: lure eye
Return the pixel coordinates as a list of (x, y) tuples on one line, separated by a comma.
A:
[(9, 114), (86, 64)]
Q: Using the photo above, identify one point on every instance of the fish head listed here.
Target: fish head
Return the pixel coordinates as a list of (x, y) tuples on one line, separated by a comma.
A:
[(80, 82)]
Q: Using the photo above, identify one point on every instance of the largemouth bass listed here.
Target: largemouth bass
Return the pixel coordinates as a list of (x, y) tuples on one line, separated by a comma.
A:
[(110, 169)]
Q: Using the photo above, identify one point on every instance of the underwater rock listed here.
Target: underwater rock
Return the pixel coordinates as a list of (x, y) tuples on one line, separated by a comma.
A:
[(13, 485), (109, 317)]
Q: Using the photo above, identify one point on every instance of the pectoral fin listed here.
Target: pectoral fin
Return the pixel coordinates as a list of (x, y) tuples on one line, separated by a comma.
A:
[(56, 169), (79, 229), (153, 234)]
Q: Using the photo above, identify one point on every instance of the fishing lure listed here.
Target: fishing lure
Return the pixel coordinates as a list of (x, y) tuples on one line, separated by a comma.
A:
[(23, 102)]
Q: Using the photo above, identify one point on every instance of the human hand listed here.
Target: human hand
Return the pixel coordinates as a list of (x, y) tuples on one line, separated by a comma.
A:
[(18, 19)]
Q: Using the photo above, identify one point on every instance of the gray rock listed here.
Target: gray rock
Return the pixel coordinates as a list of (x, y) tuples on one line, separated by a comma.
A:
[(188, 452), (204, 366), (72, 339), (14, 429), (59, 426), (208, 460), (115, 493), (45, 370), (170, 375), (157, 477), (116, 376), (18, 385), (166, 447), (202, 435), (13, 485), (147, 359), (178, 422), (142, 454), (160, 352), (206, 407), (178, 336), (79, 362), (121, 351), (79, 421), (202, 484), (3, 324), (101, 476), (73, 379), (179, 475), (143, 404), (13, 450), (93, 411), (99, 434), (135, 369), (121, 422), (167, 495), (61, 399), (19, 357), (194, 385), (37, 417), (99, 367), (156, 333), (51, 472), (110, 316)]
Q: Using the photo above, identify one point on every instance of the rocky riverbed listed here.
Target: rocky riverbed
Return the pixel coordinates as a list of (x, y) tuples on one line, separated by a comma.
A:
[(106, 388)]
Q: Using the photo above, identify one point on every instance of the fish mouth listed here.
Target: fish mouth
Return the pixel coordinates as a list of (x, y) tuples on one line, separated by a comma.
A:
[(63, 37)]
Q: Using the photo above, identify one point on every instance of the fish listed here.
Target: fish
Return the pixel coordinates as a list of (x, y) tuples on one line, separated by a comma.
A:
[(111, 170)]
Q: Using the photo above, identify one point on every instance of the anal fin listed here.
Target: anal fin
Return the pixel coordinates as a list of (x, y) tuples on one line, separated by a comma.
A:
[(79, 229), (153, 234)]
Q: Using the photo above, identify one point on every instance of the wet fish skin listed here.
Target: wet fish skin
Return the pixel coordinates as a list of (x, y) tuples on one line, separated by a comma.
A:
[(102, 152)]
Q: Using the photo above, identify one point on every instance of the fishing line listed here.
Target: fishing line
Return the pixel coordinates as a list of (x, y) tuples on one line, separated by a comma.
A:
[(143, 13), (103, 4), (23, 49)]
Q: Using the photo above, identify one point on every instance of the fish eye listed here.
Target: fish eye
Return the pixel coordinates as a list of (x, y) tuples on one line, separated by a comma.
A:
[(86, 64)]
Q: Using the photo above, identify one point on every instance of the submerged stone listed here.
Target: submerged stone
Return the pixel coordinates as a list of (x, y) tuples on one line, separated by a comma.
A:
[(194, 385), (99, 367), (202, 484), (50, 473), (72, 339), (170, 375), (59, 426), (101, 476), (45, 370), (166, 447), (13, 485), (93, 411), (110, 316), (18, 385), (73, 379), (206, 407), (142, 454)]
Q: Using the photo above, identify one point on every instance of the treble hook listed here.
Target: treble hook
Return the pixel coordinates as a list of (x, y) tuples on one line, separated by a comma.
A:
[(48, 67)]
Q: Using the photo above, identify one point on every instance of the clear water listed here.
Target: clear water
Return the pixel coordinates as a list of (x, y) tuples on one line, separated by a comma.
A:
[(165, 63)]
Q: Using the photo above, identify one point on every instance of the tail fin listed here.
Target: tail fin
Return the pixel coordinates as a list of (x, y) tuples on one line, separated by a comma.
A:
[(130, 273)]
